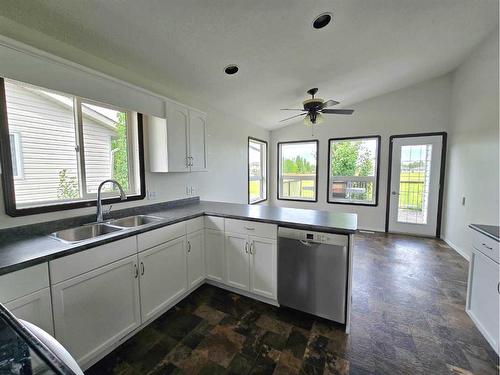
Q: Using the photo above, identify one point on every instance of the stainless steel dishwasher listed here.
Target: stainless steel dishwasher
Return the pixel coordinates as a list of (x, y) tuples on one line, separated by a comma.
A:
[(312, 272)]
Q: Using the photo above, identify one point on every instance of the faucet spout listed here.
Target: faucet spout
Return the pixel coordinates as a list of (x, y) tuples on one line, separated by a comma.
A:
[(123, 196)]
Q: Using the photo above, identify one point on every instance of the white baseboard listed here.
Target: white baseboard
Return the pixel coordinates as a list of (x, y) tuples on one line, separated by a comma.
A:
[(459, 250)]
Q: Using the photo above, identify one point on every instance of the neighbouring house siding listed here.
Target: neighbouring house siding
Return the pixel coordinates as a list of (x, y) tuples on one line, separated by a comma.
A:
[(47, 140)]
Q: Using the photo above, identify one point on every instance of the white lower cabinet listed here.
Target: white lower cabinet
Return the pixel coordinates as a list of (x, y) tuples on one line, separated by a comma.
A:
[(96, 309), (214, 254), (163, 271), (35, 308), (483, 299), (196, 257), (251, 264), (26, 293), (263, 266), (237, 261)]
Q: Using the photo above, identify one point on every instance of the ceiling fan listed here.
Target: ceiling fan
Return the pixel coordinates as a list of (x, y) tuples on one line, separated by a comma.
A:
[(315, 107)]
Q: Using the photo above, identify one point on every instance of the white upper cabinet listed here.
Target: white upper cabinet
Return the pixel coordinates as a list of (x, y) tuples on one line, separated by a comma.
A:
[(179, 142), (198, 141)]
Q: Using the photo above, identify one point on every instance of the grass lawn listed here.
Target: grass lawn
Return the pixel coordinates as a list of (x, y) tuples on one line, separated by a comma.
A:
[(411, 189)]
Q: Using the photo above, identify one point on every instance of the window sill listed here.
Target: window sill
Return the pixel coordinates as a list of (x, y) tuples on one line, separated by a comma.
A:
[(15, 212)]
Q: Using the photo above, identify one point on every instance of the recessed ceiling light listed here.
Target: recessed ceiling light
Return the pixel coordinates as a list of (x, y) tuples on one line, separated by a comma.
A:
[(322, 20), (231, 69)]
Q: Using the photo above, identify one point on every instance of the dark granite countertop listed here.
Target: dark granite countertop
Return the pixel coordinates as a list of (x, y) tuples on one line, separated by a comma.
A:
[(26, 246), (492, 231), (23, 353)]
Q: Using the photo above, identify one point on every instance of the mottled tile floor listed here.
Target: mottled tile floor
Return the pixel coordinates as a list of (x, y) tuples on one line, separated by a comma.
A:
[(408, 318)]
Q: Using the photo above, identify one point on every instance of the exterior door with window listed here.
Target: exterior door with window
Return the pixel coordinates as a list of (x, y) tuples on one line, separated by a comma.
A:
[(415, 184)]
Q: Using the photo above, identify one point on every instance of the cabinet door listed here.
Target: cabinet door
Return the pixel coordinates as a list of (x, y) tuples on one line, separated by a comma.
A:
[(196, 257), (198, 140), (214, 250), (35, 308), (96, 309), (177, 138), (237, 267), (484, 297), (163, 272), (263, 269)]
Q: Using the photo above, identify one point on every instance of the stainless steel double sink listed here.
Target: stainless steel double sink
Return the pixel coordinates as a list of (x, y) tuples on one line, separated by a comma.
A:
[(94, 230)]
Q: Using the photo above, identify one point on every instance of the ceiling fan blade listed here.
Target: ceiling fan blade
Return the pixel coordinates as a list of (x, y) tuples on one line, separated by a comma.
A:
[(329, 103), (292, 109), (289, 118), (338, 111)]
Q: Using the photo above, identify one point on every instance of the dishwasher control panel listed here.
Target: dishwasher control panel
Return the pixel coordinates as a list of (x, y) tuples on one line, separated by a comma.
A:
[(310, 236)]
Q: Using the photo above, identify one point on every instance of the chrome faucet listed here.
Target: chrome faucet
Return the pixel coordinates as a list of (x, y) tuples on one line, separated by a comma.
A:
[(99, 203)]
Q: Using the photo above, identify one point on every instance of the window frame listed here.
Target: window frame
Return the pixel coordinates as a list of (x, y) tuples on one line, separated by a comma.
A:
[(19, 156), (265, 174), (377, 170), (8, 178), (278, 167)]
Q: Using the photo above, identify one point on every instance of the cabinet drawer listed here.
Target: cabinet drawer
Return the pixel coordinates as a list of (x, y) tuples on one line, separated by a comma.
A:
[(251, 227), (486, 245), (214, 222), (20, 283), (195, 224), (76, 264), (158, 236)]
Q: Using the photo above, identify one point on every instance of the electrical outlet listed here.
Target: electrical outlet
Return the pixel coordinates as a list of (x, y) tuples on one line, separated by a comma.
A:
[(193, 191), (188, 191), (151, 194)]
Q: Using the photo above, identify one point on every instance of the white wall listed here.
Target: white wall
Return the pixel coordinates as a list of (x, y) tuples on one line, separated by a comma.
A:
[(226, 179), (473, 156), (419, 108)]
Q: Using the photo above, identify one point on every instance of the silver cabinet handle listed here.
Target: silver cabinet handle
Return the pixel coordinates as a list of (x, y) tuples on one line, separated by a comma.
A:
[(246, 247), (252, 245), (136, 271), (189, 247), (142, 269), (498, 287), (249, 228), (486, 246)]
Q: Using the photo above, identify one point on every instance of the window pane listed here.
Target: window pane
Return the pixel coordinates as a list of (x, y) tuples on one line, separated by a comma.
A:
[(44, 121), (106, 147), (353, 168), (297, 170), (257, 159), (13, 155), (414, 181)]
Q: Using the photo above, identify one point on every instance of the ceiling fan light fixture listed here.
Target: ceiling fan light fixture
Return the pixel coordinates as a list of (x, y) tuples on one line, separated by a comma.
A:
[(322, 20)]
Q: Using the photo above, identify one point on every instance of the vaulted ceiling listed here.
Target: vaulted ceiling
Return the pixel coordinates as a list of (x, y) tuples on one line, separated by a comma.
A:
[(371, 47)]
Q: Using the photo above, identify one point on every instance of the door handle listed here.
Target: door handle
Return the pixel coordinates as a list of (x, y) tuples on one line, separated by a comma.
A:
[(136, 271), (142, 269)]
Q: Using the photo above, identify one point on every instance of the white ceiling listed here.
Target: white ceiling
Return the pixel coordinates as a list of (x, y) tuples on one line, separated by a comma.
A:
[(371, 47)]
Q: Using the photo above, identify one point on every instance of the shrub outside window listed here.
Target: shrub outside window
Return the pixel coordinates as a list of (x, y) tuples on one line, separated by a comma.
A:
[(297, 170), (353, 170)]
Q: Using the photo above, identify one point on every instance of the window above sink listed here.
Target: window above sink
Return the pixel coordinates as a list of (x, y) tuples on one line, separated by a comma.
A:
[(59, 147)]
